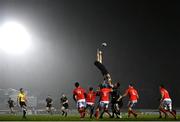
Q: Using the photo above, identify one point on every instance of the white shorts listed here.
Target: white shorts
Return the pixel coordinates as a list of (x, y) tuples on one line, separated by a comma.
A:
[(81, 103), (167, 104), (132, 103), (104, 104), (90, 103)]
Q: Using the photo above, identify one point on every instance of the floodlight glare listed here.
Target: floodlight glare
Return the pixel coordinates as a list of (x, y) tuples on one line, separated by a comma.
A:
[(14, 39)]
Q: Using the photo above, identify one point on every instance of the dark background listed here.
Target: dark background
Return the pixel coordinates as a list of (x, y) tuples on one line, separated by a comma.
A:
[(143, 46)]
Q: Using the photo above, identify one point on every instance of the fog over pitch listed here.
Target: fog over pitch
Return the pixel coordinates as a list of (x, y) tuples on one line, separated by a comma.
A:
[(142, 47)]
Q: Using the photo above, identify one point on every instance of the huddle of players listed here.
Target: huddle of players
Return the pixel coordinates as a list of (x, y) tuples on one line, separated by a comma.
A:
[(86, 101)]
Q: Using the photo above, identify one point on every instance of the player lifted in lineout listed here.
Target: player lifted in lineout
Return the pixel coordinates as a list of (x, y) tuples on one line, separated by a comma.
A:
[(99, 63), (165, 103), (79, 96), (22, 101), (65, 105), (133, 99)]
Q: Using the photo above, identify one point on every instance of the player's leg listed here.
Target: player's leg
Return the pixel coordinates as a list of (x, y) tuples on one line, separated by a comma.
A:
[(47, 109), (91, 110), (66, 112), (66, 109), (87, 109), (169, 104), (162, 110), (104, 71), (11, 111), (82, 112), (113, 109), (101, 67), (79, 108), (160, 113), (50, 109), (97, 111), (82, 106), (130, 110), (106, 109), (117, 110), (101, 113), (63, 110), (102, 109), (24, 109)]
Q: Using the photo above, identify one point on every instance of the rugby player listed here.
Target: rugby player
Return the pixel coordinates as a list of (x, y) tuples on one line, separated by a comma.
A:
[(90, 100), (79, 97), (49, 102), (104, 100), (165, 103), (133, 99), (11, 105), (115, 104), (65, 105), (98, 63), (21, 99)]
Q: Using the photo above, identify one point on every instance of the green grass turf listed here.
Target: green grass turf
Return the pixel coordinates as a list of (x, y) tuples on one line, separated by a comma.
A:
[(76, 118)]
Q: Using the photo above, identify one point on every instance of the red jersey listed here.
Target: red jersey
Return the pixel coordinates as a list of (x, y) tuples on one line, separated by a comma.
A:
[(133, 94), (164, 93), (91, 96), (79, 93), (104, 94)]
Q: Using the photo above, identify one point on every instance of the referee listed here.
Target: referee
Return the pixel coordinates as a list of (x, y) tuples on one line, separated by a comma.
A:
[(21, 99)]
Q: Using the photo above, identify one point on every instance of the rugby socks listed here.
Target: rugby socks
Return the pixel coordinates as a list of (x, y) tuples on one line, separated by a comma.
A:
[(101, 116), (108, 113), (131, 112), (160, 115), (24, 113), (97, 114), (173, 113), (164, 111), (65, 114), (82, 112)]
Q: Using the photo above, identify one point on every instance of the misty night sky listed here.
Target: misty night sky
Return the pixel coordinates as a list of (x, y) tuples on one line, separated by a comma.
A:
[(143, 46)]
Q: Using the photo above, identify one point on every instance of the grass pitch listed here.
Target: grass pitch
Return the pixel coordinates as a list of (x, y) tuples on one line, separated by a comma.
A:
[(76, 118)]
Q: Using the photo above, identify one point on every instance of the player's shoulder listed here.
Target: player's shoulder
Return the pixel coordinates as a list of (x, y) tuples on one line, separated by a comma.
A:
[(74, 90)]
